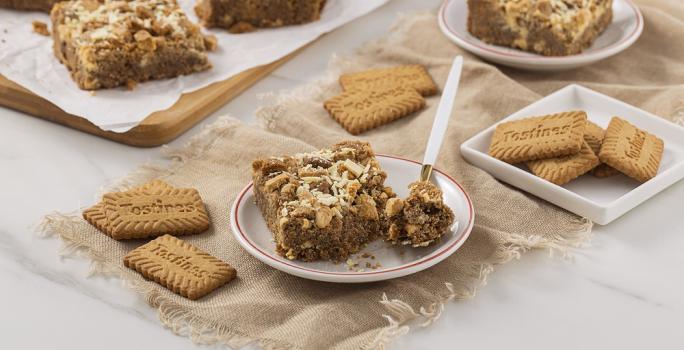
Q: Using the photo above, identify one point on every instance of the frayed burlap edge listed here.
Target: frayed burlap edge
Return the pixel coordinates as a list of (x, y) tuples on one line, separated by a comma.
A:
[(401, 316), (180, 321)]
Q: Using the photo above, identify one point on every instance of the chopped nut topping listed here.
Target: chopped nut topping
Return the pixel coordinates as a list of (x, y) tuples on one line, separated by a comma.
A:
[(353, 168), (275, 183), (323, 217), (394, 206), (90, 21), (367, 207)]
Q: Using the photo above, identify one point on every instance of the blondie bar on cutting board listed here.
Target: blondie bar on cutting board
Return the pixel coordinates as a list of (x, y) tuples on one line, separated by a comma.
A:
[(29, 5), (323, 205), (109, 43), (546, 27), (246, 15)]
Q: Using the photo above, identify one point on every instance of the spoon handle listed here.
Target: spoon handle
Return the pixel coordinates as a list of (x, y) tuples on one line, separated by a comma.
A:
[(439, 126)]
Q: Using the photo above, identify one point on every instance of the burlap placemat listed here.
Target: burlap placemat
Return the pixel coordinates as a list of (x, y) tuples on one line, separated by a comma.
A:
[(282, 311)]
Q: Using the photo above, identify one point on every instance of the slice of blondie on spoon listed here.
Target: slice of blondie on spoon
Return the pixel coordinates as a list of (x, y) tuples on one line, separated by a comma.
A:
[(420, 219)]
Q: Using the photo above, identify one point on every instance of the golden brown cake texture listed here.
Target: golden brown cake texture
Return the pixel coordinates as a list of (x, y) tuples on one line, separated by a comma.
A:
[(246, 15), (29, 5), (546, 27), (420, 219), (109, 43), (324, 205)]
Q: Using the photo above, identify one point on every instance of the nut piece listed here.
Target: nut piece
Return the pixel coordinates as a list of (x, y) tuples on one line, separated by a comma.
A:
[(276, 182), (394, 206), (367, 208), (288, 190), (411, 229), (282, 222), (210, 42), (303, 194), (352, 189), (353, 168), (394, 232), (323, 217)]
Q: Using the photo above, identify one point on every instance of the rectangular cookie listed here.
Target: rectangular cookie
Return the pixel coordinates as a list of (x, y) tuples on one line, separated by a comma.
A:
[(361, 110), (135, 214), (179, 266), (546, 27), (634, 152), (594, 136), (562, 170), (151, 210), (110, 43), (29, 5), (323, 205), (542, 137), (240, 16), (96, 216), (413, 75)]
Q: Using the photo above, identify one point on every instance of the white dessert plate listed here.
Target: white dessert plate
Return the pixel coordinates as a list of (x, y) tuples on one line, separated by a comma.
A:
[(601, 200), (627, 25), (250, 229)]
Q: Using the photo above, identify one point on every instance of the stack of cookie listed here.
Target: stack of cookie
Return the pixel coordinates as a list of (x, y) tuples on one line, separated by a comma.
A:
[(157, 209), (564, 146), (376, 97)]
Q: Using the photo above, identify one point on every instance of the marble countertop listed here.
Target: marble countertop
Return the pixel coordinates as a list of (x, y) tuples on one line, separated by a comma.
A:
[(625, 290)]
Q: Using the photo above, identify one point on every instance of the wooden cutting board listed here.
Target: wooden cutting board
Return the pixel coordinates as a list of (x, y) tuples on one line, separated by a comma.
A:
[(159, 127)]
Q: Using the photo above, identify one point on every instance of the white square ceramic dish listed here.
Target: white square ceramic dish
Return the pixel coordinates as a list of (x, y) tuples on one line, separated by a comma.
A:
[(600, 200)]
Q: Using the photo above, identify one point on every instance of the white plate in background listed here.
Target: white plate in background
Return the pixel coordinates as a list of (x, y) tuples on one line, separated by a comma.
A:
[(627, 25), (251, 231), (601, 200)]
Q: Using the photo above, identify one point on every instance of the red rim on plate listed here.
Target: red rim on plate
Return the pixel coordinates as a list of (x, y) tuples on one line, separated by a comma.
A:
[(495, 49), (423, 260)]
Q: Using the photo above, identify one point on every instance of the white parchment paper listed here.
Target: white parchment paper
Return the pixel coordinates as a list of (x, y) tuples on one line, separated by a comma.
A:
[(27, 59)]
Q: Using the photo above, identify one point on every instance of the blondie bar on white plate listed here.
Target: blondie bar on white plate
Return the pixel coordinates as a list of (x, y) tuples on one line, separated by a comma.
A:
[(254, 215), (550, 28)]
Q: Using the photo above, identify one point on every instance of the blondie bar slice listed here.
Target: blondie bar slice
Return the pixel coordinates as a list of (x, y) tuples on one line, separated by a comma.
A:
[(546, 27), (324, 205), (420, 219), (245, 15), (108, 43), (29, 5)]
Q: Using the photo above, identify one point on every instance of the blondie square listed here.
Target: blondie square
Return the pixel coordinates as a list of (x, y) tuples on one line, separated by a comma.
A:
[(546, 27), (323, 205), (245, 15), (29, 5), (109, 43)]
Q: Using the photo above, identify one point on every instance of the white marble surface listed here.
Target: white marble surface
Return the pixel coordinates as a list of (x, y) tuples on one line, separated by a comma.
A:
[(624, 291)]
